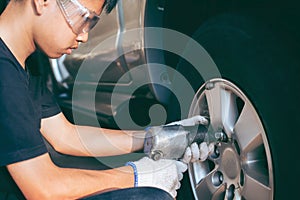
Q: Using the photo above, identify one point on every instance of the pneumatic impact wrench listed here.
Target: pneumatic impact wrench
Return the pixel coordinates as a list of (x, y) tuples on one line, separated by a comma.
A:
[(171, 141)]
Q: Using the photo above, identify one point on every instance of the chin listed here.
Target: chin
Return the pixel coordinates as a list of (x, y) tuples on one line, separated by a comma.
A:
[(54, 56)]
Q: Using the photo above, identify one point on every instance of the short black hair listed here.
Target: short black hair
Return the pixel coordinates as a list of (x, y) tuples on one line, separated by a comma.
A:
[(109, 5)]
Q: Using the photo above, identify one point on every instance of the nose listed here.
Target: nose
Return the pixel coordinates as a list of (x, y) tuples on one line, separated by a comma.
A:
[(82, 37)]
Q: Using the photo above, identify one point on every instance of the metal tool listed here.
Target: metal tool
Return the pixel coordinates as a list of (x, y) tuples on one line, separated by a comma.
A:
[(170, 142)]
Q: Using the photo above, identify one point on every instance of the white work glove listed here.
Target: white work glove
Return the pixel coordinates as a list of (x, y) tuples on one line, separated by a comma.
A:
[(192, 121), (164, 174), (195, 153)]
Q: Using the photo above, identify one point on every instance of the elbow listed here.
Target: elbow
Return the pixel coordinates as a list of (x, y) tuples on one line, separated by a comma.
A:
[(57, 147), (64, 145), (68, 148)]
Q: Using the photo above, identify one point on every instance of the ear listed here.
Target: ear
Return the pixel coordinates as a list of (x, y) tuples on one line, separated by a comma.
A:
[(39, 5)]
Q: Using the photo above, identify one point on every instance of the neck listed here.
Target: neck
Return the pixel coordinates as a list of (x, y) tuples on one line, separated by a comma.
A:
[(17, 33)]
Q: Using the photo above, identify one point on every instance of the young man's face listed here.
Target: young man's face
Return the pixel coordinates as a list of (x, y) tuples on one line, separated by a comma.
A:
[(65, 23)]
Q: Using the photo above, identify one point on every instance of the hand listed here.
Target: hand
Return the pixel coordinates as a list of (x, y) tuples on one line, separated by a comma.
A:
[(192, 121), (195, 153), (164, 174)]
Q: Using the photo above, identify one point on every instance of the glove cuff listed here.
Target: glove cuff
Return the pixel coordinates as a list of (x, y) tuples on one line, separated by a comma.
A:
[(134, 172), (145, 170)]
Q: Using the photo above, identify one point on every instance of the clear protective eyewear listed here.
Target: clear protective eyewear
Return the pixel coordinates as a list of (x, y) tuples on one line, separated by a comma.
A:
[(79, 18)]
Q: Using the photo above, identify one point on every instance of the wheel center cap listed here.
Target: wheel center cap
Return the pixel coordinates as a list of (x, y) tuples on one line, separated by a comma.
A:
[(230, 163)]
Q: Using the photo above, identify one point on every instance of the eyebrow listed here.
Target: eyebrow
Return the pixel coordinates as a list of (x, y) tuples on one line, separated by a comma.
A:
[(93, 11)]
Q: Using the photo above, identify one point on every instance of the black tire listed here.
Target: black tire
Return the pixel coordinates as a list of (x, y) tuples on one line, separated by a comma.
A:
[(255, 58)]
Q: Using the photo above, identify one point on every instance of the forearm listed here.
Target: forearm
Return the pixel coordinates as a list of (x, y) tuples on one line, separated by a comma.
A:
[(89, 141), (94, 141), (39, 178), (81, 183)]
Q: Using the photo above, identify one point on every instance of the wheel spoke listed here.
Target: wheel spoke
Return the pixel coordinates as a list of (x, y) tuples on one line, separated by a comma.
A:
[(229, 111), (214, 99), (248, 130), (258, 170), (253, 189), (222, 108), (219, 193), (199, 171)]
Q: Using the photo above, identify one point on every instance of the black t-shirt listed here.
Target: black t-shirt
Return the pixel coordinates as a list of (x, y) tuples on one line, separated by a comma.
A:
[(24, 101)]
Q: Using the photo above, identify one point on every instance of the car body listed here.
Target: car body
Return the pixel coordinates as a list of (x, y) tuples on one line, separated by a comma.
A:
[(137, 70)]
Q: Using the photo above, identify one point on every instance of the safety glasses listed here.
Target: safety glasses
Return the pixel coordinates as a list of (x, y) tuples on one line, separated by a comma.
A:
[(79, 18)]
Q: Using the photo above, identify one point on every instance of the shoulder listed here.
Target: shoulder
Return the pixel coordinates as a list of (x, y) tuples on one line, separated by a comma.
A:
[(11, 74)]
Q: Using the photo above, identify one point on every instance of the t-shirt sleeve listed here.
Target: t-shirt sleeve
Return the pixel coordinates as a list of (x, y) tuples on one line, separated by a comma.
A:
[(19, 120), (49, 104)]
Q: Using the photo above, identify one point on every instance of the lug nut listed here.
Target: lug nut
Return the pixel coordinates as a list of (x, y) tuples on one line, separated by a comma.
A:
[(230, 193), (221, 136), (217, 178), (215, 153)]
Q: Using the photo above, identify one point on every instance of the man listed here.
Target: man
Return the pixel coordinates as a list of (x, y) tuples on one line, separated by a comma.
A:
[(28, 113)]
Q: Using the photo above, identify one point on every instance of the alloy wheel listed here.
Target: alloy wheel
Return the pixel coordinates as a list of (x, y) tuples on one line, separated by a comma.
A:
[(240, 166)]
